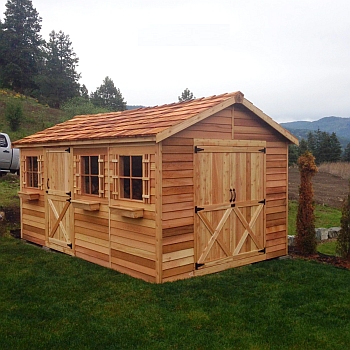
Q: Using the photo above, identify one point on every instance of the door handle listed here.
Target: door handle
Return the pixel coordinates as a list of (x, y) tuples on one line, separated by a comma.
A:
[(47, 184), (233, 195), (6, 151)]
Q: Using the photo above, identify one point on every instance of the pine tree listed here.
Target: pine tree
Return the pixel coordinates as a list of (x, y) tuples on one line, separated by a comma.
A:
[(305, 238), (59, 79), (343, 239), (186, 95), (108, 96), (21, 45), (346, 155), (335, 148), (303, 147)]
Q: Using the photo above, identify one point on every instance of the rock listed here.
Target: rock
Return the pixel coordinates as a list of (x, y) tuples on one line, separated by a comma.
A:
[(333, 232), (291, 241), (321, 234)]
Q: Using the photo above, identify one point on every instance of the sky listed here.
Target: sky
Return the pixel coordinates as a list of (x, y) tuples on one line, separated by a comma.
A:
[(291, 59)]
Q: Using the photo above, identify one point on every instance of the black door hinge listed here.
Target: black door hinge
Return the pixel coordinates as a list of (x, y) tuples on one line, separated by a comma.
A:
[(70, 245), (263, 150), (69, 193), (67, 150), (198, 265), (262, 251), (197, 209), (197, 149), (262, 201)]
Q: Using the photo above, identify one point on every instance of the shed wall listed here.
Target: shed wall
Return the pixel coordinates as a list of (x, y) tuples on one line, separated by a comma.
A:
[(236, 123)]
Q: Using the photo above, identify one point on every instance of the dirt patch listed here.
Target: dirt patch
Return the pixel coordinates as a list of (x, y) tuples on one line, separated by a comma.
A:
[(329, 189)]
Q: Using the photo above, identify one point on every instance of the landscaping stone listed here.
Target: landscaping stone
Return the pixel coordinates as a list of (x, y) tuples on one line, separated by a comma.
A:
[(291, 241), (333, 232), (321, 234)]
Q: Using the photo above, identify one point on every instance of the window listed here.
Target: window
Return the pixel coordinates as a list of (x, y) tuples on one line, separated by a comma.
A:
[(90, 175), (3, 141), (32, 172), (131, 177)]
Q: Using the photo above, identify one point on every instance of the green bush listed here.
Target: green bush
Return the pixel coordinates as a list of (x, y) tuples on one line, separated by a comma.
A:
[(14, 115)]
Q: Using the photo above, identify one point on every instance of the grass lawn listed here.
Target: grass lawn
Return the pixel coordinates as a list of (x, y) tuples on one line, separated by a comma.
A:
[(53, 301), (9, 186), (325, 216)]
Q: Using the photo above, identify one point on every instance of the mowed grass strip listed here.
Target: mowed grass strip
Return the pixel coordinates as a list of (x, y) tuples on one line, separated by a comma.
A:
[(53, 301), (325, 216)]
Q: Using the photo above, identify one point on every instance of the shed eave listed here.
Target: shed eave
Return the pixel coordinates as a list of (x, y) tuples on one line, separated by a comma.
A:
[(94, 142), (291, 138)]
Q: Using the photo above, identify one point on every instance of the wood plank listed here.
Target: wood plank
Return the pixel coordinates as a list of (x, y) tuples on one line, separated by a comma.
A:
[(174, 182), (174, 166), (92, 246), (92, 259), (177, 246), (134, 244), (178, 270), (178, 230), (179, 262), (174, 223), (133, 251), (133, 258), (90, 239), (179, 214), (92, 253), (133, 273), (178, 255), (132, 266)]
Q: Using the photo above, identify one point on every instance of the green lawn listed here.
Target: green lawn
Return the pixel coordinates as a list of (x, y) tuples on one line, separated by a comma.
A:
[(53, 301), (325, 217)]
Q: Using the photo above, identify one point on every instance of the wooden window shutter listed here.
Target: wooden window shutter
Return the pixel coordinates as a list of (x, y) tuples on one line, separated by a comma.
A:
[(114, 176), (101, 176), (40, 172), (24, 171), (146, 168), (77, 176)]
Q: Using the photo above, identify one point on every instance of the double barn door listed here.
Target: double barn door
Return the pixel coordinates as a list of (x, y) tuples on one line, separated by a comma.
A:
[(229, 201)]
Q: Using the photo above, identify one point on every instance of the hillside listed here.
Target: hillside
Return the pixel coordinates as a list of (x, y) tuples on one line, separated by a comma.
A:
[(341, 126), (36, 117)]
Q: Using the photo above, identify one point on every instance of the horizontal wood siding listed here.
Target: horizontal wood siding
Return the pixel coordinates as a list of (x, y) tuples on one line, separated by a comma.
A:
[(33, 220), (249, 127), (133, 240), (177, 208), (92, 235)]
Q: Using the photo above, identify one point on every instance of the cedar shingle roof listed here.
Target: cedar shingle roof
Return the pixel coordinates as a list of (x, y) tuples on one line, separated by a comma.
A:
[(159, 122)]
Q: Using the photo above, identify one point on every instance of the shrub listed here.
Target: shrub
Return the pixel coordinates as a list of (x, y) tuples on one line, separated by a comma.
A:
[(343, 240), (305, 238), (14, 115)]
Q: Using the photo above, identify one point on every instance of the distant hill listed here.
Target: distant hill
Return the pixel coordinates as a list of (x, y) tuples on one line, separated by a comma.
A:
[(341, 126)]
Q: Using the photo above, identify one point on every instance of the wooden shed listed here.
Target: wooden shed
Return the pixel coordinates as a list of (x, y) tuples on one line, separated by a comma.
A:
[(160, 193)]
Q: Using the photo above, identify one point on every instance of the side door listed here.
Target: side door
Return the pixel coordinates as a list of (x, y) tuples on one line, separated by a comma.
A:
[(58, 200), (229, 201)]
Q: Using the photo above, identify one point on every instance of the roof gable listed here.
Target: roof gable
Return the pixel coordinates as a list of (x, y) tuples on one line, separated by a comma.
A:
[(158, 122)]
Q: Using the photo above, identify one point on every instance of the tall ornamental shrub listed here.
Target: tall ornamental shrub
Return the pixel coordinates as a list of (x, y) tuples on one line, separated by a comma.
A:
[(305, 238), (343, 240)]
